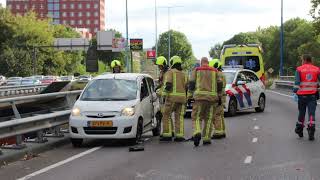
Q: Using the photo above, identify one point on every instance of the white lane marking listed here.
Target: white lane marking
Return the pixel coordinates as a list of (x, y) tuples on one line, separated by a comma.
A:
[(248, 160), (256, 128), (284, 94), (60, 163), (254, 140), (254, 119)]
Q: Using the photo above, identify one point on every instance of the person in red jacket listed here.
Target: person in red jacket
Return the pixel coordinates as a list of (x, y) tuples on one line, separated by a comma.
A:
[(306, 87)]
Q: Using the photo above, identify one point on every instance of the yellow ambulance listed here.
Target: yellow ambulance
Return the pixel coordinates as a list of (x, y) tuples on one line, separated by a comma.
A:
[(249, 56)]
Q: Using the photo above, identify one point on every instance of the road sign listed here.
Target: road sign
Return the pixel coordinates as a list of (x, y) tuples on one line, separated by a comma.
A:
[(71, 44), (136, 44), (104, 40), (92, 60), (151, 54), (270, 70), (118, 44)]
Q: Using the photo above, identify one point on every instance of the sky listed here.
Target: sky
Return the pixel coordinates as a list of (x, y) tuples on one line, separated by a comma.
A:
[(204, 22)]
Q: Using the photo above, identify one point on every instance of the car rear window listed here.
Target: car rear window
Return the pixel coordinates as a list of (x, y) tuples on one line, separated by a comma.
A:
[(248, 62)]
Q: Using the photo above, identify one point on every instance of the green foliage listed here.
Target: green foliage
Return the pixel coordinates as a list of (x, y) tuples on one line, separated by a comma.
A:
[(215, 51), (22, 33), (180, 46), (300, 37)]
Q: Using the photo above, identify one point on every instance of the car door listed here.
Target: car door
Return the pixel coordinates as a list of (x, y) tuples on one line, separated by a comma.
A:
[(243, 91), (146, 102), (254, 86)]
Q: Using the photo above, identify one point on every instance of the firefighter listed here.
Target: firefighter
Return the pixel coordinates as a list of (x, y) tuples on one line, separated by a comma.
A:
[(218, 122), (116, 66), (175, 85), (204, 86), (163, 67), (306, 87)]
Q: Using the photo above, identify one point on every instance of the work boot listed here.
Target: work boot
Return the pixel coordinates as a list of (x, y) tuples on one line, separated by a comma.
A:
[(196, 139), (206, 142), (218, 136), (299, 130), (311, 129), (179, 139), (165, 139)]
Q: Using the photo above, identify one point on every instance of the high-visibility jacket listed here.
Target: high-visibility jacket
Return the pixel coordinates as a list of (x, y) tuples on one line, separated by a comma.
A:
[(205, 81), (307, 79), (222, 94), (178, 80), (160, 88)]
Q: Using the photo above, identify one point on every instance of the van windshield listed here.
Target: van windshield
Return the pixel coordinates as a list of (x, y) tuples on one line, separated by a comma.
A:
[(248, 62), (110, 90)]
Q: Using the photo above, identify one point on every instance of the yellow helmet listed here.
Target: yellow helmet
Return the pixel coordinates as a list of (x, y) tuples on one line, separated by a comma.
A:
[(175, 60), (215, 63), (161, 61), (115, 63)]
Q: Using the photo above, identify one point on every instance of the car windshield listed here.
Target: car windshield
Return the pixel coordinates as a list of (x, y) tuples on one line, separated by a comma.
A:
[(249, 62), (110, 90), (229, 77)]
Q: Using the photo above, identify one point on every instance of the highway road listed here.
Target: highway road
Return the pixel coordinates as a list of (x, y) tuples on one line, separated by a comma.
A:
[(259, 146)]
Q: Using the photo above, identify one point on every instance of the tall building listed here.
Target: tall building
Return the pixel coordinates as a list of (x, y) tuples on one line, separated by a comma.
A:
[(89, 14)]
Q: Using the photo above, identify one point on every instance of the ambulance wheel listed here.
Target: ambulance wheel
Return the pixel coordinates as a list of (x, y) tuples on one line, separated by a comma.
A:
[(232, 110), (261, 103)]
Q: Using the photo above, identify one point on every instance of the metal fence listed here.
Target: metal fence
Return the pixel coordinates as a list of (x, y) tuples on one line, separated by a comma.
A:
[(6, 91), (286, 82), (19, 126)]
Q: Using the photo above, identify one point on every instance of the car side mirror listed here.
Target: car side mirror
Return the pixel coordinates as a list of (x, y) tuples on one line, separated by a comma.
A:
[(241, 83)]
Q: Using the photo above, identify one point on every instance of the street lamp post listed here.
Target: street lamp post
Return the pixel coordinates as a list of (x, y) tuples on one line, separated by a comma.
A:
[(127, 33), (281, 41), (156, 26)]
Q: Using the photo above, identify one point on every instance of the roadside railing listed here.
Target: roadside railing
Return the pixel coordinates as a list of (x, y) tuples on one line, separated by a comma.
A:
[(17, 90), (38, 123), (286, 82)]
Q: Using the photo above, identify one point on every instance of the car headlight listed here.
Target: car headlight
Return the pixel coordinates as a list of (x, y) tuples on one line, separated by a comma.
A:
[(76, 111), (127, 111)]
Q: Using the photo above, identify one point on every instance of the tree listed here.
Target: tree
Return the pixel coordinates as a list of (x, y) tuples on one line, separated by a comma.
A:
[(180, 46), (243, 38), (22, 33), (215, 51)]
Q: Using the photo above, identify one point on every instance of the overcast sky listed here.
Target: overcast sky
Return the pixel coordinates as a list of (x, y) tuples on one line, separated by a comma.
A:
[(205, 22)]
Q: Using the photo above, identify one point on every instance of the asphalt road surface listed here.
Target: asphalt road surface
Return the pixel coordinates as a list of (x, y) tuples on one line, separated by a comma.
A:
[(259, 146)]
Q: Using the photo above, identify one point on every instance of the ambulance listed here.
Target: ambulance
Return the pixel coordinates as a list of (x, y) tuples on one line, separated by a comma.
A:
[(249, 56)]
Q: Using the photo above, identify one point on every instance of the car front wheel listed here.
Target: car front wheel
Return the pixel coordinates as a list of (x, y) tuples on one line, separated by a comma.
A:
[(261, 104), (232, 110), (76, 142)]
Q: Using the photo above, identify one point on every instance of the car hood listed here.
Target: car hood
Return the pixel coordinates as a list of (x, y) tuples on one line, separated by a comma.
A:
[(104, 106)]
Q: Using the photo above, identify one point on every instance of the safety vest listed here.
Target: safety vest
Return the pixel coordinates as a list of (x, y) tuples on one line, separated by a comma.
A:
[(308, 79), (206, 83), (179, 82)]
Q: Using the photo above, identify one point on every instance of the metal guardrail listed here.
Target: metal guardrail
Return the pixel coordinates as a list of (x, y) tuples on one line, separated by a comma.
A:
[(286, 82), (19, 126), (16, 90)]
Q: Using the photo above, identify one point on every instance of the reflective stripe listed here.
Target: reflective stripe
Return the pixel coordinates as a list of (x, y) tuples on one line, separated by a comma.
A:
[(207, 135), (309, 83), (198, 81), (182, 120), (308, 89), (174, 90), (295, 86), (213, 82), (197, 128), (167, 135)]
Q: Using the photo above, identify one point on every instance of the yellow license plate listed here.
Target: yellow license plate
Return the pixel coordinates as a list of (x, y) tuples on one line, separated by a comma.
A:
[(101, 124)]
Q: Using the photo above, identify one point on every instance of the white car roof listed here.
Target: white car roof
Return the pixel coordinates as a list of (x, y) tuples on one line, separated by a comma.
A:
[(125, 76)]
